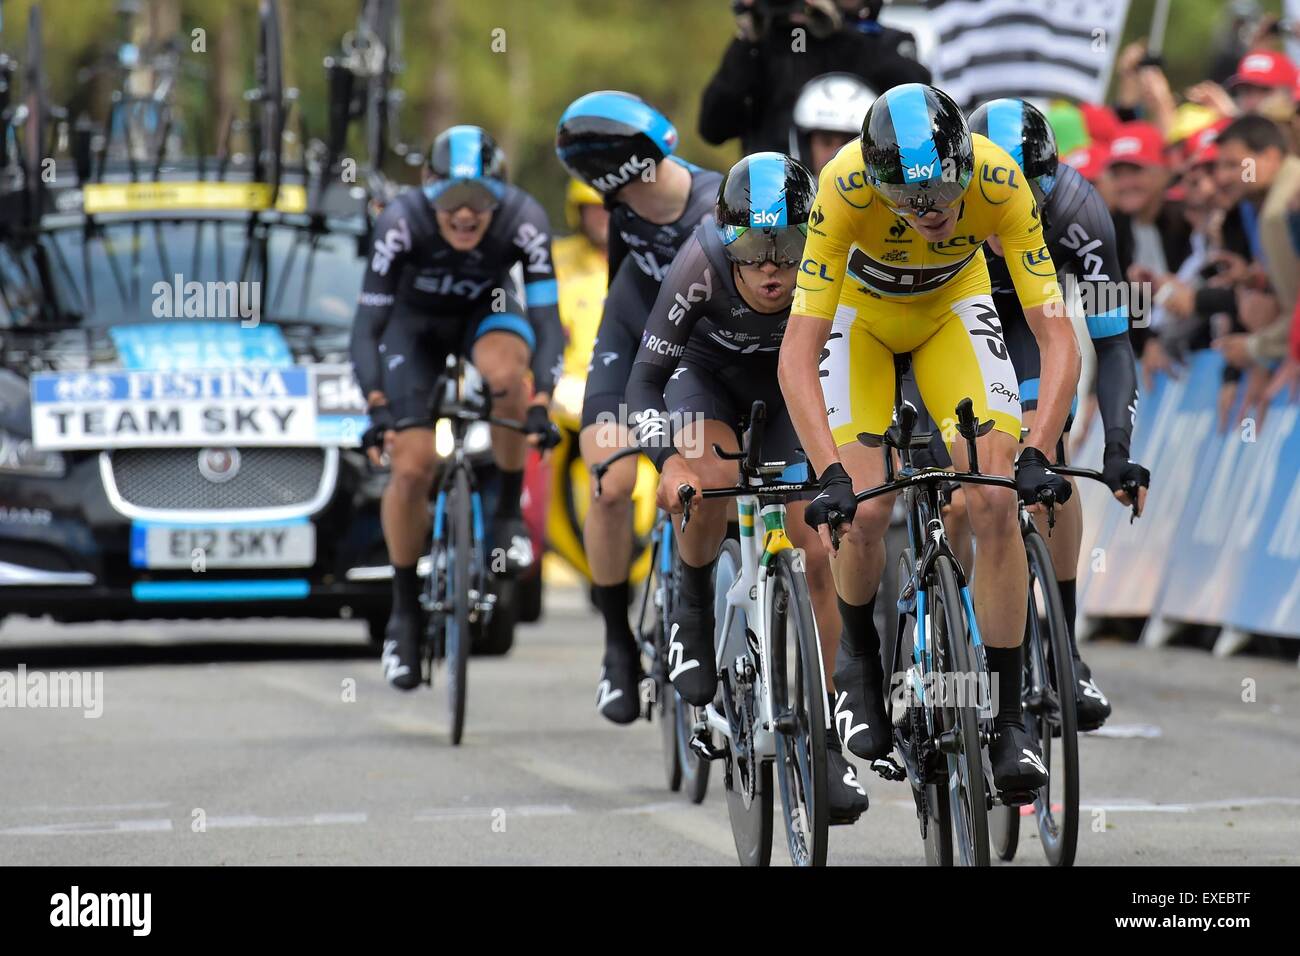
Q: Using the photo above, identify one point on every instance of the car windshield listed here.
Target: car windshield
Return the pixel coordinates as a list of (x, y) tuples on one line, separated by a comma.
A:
[(143, 270)]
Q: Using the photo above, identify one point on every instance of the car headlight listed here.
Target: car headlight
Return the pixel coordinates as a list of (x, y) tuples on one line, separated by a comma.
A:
[(18, 456)]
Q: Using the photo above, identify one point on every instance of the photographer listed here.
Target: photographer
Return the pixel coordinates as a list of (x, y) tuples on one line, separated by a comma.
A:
[(753, 93)]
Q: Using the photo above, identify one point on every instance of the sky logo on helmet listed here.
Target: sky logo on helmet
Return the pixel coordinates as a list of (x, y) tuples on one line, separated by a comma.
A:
[(917, 172), (765, 217)]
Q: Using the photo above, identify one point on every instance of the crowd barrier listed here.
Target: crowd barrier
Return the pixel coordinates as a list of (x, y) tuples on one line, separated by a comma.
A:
[(1219, 542)]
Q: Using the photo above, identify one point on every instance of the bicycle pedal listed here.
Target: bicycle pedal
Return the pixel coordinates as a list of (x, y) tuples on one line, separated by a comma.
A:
[(706, 749), (888, 768), (1016, 798)]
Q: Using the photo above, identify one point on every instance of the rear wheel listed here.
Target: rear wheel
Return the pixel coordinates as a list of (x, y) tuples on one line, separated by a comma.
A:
[(1050, 711), (747, 779), (799, 698), (959, 723), (456, 627)]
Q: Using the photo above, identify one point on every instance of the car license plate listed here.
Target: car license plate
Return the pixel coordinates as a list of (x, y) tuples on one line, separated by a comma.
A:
[(260, 546)]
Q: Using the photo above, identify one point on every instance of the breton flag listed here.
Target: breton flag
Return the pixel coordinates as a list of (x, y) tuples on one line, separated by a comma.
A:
[(1033, 49)]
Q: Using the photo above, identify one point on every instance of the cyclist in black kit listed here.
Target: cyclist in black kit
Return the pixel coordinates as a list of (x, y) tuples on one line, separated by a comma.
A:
[(623, 148), (708, 352), (1080, 235), (439, 284)]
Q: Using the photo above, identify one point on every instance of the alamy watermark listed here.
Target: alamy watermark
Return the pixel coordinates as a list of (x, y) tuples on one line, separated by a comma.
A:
[(179, 299), (75, 690)]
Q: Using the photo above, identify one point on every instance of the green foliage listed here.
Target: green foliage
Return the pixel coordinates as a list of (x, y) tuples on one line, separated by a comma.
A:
[(555, 50)]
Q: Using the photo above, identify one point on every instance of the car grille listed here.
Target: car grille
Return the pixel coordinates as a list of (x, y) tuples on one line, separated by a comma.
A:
[(168, 479)]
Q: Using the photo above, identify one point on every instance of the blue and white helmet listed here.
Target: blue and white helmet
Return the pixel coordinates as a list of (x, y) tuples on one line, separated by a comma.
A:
[(606, 139)]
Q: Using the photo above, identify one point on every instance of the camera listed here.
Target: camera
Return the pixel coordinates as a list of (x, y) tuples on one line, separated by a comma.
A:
[(821, 19)]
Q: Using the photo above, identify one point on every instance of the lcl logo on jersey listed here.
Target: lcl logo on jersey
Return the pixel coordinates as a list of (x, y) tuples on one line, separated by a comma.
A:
[(1074, 239), (956, 246), (698, 291), (1000, 175), (1039, 262)]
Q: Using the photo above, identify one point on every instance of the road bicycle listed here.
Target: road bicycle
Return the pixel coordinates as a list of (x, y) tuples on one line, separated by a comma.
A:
[(1049, 701), (684, 768), (456, 595), (771, 711)]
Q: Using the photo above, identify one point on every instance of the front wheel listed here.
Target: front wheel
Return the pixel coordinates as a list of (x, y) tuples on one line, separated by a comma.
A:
[(456, 628), (799, 699), (959, 722), (746, 777)]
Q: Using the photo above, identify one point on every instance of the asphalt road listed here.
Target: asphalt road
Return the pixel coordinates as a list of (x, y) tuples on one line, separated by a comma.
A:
[(273, 742)]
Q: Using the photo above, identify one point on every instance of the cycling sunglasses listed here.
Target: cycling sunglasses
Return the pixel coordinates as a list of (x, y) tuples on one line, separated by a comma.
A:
[(478, 195), (753, 246), (911, 201)]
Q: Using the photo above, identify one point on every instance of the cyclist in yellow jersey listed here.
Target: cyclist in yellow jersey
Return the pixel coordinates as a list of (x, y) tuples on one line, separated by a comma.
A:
[(893, 265)]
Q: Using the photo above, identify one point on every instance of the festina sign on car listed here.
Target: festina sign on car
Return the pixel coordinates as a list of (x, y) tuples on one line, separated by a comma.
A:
[(298, 405)]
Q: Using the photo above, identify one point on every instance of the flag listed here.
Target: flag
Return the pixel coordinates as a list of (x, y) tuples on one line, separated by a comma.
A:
[(1033, 49)]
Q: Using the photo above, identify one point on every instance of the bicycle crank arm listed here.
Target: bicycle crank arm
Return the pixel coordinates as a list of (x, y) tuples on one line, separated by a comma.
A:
[(888, 768)]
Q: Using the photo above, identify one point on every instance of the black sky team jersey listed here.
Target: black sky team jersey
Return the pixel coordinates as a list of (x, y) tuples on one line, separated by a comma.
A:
[(412, 264), (650, 246), (1080, 236), (700, 318)]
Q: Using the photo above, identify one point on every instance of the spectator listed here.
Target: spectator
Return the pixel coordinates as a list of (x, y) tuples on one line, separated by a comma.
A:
[(1255, 171), (1151, 232), (752, 94)]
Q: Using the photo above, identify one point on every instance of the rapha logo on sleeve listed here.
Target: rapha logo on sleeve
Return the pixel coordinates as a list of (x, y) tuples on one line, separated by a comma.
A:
[(78, 909)]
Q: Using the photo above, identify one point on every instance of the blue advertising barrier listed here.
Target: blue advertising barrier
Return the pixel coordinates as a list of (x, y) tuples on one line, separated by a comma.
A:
[(1219, 543)]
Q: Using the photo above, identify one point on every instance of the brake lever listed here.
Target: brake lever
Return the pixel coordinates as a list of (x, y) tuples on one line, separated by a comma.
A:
[(1047, 498), (834, 519), (1131, 489), (685, 493)]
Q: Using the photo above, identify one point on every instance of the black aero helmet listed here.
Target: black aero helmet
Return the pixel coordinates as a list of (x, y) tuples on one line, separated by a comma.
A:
[(468, 169), (1023, 131), (607, 138), (763, 207), (917, 148)]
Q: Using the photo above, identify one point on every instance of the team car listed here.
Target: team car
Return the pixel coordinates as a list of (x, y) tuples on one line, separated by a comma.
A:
[(179, 423)]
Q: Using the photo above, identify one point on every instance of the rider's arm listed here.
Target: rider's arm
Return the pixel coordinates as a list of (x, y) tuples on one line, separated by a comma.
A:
[(1108, 328), (389, 251), (1020, 232), (663, 343), (541, 295), (821, 276)]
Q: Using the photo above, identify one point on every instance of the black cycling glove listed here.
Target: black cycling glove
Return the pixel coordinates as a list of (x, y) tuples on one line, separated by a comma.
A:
[(834, 493), (381, 420), (1118, 469), (538, 422), (1033, 477)]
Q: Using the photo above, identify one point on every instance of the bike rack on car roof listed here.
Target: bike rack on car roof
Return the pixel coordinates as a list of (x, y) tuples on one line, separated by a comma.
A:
[(108, 159)]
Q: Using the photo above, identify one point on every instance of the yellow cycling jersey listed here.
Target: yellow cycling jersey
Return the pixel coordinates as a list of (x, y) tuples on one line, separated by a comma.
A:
[(581, 272), (853, 235)]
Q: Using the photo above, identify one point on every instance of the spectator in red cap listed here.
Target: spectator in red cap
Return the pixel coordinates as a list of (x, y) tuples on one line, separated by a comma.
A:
[(1090, 161), (1103, 125), (1152, 233), (1264, 80)]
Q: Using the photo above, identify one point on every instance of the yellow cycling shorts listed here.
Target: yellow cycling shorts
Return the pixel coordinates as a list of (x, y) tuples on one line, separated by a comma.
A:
[(957, 352)]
